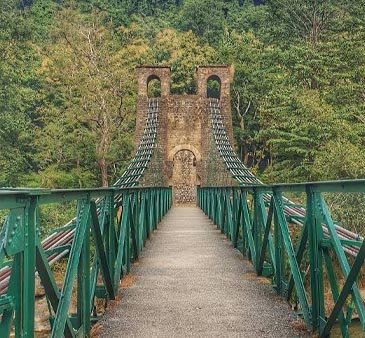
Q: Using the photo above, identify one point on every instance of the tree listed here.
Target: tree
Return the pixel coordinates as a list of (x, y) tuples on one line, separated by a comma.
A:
[(302, 19), (90, 107), (183, 52), (246, 53), (18, 94), (204, 18)]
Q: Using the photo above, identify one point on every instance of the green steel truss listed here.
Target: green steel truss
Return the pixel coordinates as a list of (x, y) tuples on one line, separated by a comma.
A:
[(299, 267), (266, 249), (116, 230)]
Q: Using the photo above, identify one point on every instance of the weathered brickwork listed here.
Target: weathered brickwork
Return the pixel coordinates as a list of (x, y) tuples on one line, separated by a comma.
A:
[(184, 177), (185, 154)]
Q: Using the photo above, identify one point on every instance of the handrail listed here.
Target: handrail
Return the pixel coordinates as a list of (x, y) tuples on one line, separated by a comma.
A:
[(260, 228), (356, 185)]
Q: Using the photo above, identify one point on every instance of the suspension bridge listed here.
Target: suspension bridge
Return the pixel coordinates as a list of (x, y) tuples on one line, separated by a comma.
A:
[(222, 237)]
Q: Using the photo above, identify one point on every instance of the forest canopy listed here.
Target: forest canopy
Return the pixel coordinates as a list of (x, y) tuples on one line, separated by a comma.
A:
[(68, 92)]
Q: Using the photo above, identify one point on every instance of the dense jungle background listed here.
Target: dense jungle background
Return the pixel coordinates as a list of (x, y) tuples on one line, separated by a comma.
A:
[(68, 91)]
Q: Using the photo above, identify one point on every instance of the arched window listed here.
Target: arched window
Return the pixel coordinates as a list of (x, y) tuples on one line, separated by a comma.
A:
[(153, 86), (214, 87)]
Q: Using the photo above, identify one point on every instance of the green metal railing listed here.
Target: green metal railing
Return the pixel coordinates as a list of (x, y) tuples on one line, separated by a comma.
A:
[(108, 232), (262, 230)]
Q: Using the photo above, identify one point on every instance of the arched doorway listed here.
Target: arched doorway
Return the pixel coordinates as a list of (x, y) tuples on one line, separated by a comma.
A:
[(184, 177), (214, 85), (153, 86)]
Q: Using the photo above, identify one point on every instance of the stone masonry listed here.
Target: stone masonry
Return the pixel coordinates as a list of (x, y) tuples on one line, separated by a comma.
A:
[(185, 155)]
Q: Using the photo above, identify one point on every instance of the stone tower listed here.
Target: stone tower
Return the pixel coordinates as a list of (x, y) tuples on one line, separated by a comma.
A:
[(185, 154)]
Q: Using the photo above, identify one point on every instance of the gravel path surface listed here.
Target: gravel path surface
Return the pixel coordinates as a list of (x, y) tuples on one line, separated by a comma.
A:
[(190, 282)]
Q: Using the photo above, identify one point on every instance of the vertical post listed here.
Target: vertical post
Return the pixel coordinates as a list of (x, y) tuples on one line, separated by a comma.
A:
[(13, 291), (241, 222), (127, 241), (141, 221), (83, 283), (235, 211), (28, 280), (160, 198), (17, 278), (278, 253), (257, 227), (137, 223), (157, 209), (208, 201), (216, 207), (221, 211), (150, 210), (315, 257), (198, 197), (111, 233), (134, 224), (145, 214)]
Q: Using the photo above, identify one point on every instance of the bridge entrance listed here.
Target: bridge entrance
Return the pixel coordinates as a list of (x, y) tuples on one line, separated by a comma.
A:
[(184, 177)]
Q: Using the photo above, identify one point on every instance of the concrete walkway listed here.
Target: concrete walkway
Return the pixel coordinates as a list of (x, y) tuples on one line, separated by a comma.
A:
[(190, 282)]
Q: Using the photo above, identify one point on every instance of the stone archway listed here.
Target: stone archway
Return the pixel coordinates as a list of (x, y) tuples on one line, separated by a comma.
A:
[(184, 146), (184, 177)]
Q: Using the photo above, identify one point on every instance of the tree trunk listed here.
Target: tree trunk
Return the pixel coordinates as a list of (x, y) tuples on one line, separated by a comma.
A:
[(245, 154), (103, 172)]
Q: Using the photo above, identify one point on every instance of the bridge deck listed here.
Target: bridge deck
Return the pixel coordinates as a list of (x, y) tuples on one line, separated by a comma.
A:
[(189, 282)]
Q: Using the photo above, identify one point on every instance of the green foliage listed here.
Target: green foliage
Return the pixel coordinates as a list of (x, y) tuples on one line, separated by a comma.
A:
[(348, 211), (183, 52), (41, 18), (154, 88), (55, 215), (213, 88), (252, 80), (295, 133), (204, 18), (18, 94), (93, 97), (339, 158), (68, 93), (295, 21)]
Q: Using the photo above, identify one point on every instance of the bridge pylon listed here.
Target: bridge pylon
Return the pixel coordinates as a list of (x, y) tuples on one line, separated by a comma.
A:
[(185, 154)]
